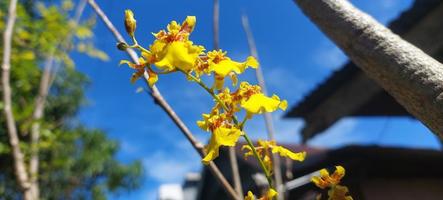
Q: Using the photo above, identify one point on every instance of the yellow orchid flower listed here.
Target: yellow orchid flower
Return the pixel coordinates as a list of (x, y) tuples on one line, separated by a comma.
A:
[(222, 136), (178, 54), (173, 49), (325, 180), (222, 66)]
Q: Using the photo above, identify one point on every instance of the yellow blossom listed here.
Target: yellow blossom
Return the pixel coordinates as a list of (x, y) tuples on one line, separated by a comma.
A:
[(173, 49), (221, 136), (270, 194), (327, 180), (222, 66), (181, 55), (339, 192), (250, 196), (259, 103)]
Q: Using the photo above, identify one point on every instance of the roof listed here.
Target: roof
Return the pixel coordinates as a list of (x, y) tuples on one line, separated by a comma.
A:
[(349, 92), (361, 163)]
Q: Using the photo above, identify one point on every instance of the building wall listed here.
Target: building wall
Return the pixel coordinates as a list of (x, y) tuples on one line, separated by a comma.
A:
[(403, 189)]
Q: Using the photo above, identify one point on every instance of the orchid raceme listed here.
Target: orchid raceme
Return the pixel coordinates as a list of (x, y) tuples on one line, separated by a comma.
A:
[(173, 51)]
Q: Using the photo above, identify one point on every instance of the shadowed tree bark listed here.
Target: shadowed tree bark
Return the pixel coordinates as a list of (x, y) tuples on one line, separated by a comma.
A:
[(412, 77)]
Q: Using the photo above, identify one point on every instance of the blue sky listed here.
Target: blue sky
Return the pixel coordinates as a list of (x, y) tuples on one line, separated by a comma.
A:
[(295, 56)]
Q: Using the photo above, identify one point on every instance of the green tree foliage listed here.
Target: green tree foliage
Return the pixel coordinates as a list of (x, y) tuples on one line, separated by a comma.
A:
[(75, 162)]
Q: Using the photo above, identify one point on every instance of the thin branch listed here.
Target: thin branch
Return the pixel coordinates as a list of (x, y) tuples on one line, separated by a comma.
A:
[(17, 155), (35, 128), (156, 95), (411, 76), (267, 116), (231, 150), (216, 24)]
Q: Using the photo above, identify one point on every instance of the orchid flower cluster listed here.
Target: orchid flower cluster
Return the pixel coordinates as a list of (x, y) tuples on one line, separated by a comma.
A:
[(325, 180), (172, 51)]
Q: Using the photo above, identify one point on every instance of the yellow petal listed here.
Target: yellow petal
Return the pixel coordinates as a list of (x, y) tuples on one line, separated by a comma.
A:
[(181, 55), (220, 137), (250, 196), (319, 182), (271, 194), (259, 103), (339, 193), (289, 154), (153, 78), (338, 174), (252, 62)]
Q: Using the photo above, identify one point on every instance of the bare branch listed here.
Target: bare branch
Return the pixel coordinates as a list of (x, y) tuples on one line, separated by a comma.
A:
[(412, 77), (156, 95), (17, 155), (267, 116)]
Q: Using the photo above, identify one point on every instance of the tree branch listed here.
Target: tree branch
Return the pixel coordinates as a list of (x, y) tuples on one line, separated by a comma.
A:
[(267, 116), (17, 155), (158, 98), (412, 77)]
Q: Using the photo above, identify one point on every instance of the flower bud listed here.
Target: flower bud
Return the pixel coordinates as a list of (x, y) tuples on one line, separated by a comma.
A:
[(130, 22), (122, 46)]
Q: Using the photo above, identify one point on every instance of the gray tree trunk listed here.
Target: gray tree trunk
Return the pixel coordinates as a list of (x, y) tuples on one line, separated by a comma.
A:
[(412, 77)]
